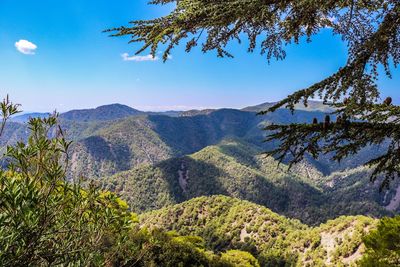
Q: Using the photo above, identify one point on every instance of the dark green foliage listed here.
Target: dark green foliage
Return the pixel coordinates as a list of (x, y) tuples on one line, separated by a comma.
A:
[(341, 140), (370, 29), (383, 244)]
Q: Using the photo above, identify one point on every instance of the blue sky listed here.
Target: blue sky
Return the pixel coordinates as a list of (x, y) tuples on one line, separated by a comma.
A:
[(75, 65)]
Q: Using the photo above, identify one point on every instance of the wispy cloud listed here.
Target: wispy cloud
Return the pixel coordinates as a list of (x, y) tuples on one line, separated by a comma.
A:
[(126, 57), (26, 47)]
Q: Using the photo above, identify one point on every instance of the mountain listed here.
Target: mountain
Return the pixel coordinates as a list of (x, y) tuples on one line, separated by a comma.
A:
[(123, 144), (23, 118), (237, 169), (171, 113), (104, 145), (102, 113), (230, 223), (195, 112), (148, 154), (311, 106)]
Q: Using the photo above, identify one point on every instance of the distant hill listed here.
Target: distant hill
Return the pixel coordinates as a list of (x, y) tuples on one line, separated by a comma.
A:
[(25, 117), (311, 106), (102, 113), (229, 223), (170, 113), (195, 112)]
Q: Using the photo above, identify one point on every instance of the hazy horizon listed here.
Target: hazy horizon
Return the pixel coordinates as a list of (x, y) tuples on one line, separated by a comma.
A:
[(147, 108)]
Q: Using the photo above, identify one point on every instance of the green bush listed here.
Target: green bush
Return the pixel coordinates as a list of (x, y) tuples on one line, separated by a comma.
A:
[(46, 220), (239, 258)]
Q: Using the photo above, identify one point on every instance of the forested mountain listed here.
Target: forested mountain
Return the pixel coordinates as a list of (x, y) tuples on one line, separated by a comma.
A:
[(228, 223), (170, 159), (102, 113), (237, 169), (104, 148), (152, 138), (204, 173)]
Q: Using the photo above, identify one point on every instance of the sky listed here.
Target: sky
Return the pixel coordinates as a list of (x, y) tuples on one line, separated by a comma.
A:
[(54, 56)]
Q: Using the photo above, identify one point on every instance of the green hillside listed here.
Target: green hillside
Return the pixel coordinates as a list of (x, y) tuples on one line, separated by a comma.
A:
[(120, 146), (237, 169), (127, 143), (229, 223)]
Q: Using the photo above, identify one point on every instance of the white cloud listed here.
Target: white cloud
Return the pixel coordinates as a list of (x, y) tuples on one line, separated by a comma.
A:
[(26, 47), (126, 57)]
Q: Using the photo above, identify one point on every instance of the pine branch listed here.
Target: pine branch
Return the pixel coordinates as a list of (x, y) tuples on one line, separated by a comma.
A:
[(371, 30)]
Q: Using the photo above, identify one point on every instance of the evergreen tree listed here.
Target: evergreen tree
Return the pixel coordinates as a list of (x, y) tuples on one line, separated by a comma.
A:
[(383, 244), (371, 29)]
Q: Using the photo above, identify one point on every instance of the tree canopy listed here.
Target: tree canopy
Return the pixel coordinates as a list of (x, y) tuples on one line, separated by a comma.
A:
[(383, 244), (371, 30)]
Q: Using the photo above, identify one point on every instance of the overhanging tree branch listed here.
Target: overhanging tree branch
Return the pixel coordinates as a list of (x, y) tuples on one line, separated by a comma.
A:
[(371, 29)]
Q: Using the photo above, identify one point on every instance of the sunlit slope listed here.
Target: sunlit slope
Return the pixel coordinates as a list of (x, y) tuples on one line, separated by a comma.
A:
[(229, 223)]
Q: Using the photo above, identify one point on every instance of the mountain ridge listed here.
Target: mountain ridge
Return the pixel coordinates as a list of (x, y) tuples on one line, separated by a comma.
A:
[(312, 105), (123, 111)]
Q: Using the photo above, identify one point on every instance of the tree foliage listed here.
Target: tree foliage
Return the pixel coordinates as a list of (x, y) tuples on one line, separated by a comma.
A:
[(240, 258), (371, 30), (227, 224), (383, 244), (44, 219)]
